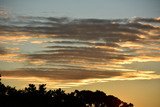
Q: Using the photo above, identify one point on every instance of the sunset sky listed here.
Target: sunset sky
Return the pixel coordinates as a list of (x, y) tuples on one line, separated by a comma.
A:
[(107, 45)]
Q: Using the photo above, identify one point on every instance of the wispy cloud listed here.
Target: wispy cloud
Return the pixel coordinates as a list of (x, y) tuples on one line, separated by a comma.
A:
[(56, 78), (76, 50), (4, 13)]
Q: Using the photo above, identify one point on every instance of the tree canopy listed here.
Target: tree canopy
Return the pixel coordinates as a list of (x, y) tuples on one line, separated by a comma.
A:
[(32, 96)]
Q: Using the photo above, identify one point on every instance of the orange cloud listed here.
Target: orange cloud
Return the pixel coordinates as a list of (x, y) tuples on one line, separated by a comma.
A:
[(16, 38), (37, 42), (37, 62), (12, 57), (66, 83)]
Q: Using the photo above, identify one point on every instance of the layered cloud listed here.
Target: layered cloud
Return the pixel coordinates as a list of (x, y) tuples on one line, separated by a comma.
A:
[(65, 78), (76, 50)]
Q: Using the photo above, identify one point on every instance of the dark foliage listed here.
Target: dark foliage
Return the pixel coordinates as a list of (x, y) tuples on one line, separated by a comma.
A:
[(33, 97)]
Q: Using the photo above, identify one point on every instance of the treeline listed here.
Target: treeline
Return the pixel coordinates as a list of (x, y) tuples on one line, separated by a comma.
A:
[(40, 97)]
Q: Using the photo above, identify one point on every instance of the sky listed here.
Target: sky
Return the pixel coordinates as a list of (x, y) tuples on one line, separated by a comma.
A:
[(108, 45)]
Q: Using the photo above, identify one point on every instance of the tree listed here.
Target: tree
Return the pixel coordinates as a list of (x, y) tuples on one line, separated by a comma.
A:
[(42, 89), (33, 97)]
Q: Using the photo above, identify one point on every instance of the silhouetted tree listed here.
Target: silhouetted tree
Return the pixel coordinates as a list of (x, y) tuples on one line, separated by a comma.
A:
[(2, 89), (40, 97), (42, 89), (31, 89)]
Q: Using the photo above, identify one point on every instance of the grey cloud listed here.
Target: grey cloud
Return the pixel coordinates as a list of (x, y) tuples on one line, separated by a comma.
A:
[(82, 29), (77, 43), (92, 40), (148, 20), (74, 26), (62, 53)]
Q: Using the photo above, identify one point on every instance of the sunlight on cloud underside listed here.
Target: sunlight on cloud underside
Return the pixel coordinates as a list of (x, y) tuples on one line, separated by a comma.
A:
[(74, 52), (58, 83)]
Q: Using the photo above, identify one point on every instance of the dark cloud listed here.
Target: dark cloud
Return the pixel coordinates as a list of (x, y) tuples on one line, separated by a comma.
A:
[(148, 20), (61, 74), (66, 26), (77, 49), (3, 50), (68, 54), (139, 26)]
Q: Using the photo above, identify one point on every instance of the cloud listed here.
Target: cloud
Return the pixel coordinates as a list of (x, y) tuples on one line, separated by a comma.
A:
[(56, 78), (6, 56), (12, 57), (2, 50), (4, 13), (37, 42), (60, 74), (79, 51), (16, 38), (148, 20)]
